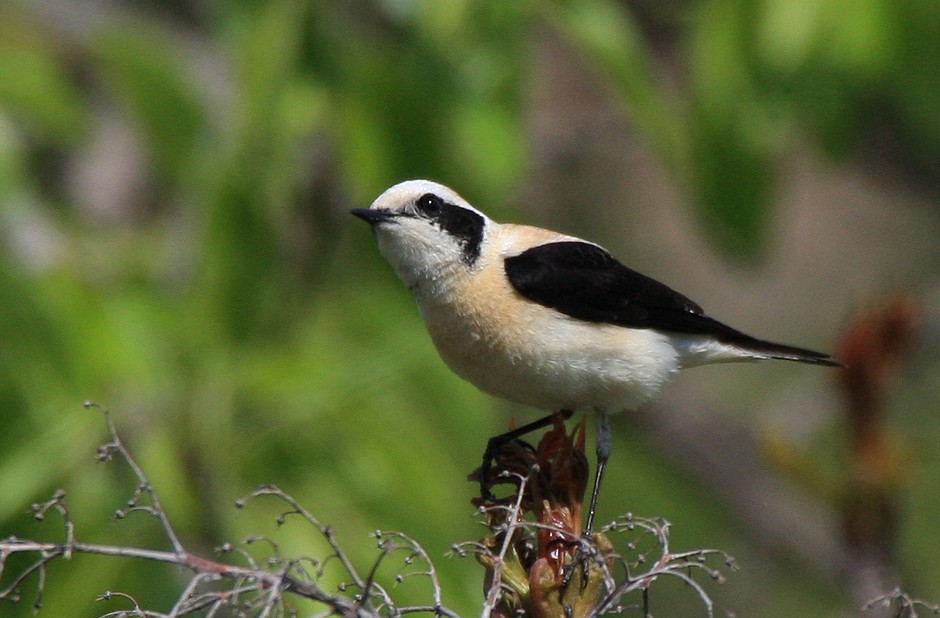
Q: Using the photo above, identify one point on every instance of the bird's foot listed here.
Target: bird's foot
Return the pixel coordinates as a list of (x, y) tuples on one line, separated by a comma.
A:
[(577, 570)]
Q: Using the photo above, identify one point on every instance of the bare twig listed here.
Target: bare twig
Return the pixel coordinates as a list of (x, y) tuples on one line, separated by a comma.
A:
[(144, 487), (520, 555), (901, 604), (668, 564), (513, 519), (253, 589)]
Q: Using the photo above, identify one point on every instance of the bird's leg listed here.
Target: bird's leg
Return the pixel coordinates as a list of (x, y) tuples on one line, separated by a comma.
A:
[(603, 454), (494, 444)]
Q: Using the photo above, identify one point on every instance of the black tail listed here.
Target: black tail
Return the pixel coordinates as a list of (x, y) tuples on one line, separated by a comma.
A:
[(785, 352)]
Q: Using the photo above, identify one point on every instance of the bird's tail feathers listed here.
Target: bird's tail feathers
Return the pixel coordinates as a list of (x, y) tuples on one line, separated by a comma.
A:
[(767, 349), (734, 346)]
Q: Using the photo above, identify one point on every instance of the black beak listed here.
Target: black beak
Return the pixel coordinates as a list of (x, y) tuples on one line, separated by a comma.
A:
[(373, 217)]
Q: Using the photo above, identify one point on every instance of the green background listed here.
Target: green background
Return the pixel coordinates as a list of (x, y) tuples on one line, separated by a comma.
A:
[(174, 185)]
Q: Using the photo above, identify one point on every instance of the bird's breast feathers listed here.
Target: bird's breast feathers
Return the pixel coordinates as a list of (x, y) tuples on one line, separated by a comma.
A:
[(511, 347)]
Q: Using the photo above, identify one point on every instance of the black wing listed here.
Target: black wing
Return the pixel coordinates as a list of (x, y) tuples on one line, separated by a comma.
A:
[(585, 282)]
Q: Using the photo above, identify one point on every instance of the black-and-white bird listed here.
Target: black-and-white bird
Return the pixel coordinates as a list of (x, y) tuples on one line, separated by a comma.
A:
[(544, 319)]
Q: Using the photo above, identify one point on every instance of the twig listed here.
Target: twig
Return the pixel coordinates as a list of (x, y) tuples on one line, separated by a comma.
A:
[(679, 565), (496, 585), (904, 605), (254, 590), (144, 487)]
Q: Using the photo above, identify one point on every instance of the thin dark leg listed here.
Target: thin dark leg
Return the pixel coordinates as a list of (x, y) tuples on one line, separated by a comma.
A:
[(603, 454), (496, 442)]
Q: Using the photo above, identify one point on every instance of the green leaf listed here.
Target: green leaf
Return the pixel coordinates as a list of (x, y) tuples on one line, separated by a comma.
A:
[(145, 72), (34, 82)]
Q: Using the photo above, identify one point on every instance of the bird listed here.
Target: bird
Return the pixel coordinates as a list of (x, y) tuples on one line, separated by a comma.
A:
[(545, 319)]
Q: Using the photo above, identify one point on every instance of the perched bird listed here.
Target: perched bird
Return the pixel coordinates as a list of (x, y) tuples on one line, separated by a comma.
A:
[(544, 319)]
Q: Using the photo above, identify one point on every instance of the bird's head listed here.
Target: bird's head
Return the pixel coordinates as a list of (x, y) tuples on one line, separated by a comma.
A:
[(426, 231)]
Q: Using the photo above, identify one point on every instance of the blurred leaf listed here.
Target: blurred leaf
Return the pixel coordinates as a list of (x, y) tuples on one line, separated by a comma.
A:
[(43, 459), (34, 82), (914, 83), (722, 148), (241, 268), (487, 138), (733, 185), (34, 358), (788, 33), (613, 44), (859, 39), (734, 134), (243, 264), (143, 68)]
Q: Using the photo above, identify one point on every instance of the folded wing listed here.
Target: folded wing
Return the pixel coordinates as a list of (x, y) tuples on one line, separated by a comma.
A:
[(583, 281)]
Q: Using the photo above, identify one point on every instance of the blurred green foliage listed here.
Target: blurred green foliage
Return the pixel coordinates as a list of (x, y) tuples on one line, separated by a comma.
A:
[(240, 334)]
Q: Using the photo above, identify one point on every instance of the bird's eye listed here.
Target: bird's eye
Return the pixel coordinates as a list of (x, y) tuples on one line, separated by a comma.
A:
[(429, 204)]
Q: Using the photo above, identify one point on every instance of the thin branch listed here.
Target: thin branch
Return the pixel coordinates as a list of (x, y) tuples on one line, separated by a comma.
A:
[(902, 604), (296, 509), (257, 589), (496, 585), (144, 487), (680, 565)]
